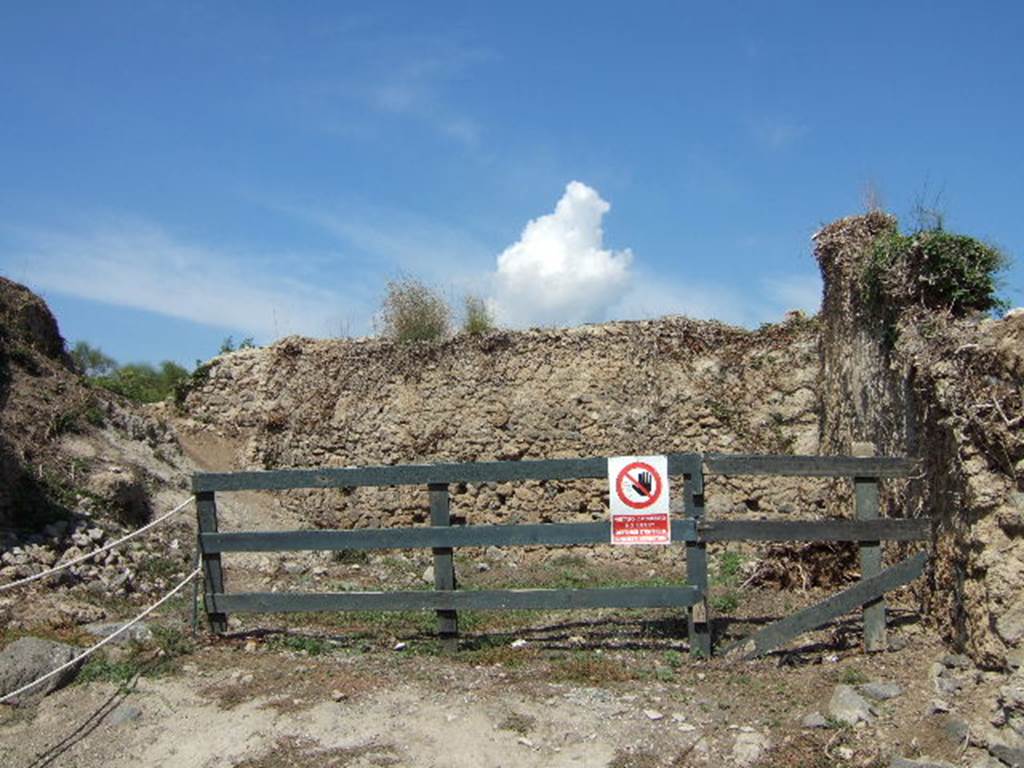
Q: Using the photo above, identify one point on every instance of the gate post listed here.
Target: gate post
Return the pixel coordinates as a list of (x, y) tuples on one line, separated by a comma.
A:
[(866, 508), (213, 576), (444, 567), (697, 621)]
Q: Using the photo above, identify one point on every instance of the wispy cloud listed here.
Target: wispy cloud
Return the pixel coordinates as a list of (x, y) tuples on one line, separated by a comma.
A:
[(800, 291), (411, 81), (777, 132), (136, 264), (389, 241)]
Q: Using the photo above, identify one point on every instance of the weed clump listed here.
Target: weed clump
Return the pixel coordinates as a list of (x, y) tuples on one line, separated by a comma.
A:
[(478, 319), (413, 311)]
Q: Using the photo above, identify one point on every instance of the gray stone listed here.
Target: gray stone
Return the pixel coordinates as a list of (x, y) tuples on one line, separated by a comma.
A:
[(943, 679), (956, 661), (30, 658), (987, 761), (125, 713), (898, 642), (749, 747), (1009, 755), (848, 706), (1011, 695), (428, 574), (879, 691), (814, 720), (958, 730), (139, 633), (1010, 625), (924, 762)]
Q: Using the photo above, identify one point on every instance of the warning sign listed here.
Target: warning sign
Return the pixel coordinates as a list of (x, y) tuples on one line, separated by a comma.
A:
[(638, 494)]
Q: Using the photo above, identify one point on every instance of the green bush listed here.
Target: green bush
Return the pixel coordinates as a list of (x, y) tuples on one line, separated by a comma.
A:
[(143, 382), (935, 269), (91, 360), (478, 319), (412, 311)]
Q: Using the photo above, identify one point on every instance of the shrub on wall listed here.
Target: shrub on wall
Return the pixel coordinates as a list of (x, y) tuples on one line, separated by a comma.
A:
[(935, 269), (412, 311)]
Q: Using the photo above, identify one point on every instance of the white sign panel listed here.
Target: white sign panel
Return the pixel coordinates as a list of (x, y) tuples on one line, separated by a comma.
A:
[(639, 500)]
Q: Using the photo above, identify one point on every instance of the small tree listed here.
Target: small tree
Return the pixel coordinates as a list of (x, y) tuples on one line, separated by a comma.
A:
[(479, 319), (412, 311), (90, 360), (143, 382)]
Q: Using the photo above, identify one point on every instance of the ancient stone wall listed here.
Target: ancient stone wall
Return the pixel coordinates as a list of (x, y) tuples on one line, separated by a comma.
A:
[(922, 383), (613, 389)]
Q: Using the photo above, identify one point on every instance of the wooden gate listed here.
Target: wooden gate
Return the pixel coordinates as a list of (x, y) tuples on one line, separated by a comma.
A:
[(692, 530)]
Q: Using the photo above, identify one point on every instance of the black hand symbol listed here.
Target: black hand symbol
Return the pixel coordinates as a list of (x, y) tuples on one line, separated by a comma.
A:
[(644, 484)]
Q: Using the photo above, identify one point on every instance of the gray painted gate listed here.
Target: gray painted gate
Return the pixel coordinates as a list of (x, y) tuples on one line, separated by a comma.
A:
[(693, 530)]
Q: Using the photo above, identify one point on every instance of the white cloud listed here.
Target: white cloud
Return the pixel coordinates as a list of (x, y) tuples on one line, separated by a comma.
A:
[(559, 272), (135, 264)]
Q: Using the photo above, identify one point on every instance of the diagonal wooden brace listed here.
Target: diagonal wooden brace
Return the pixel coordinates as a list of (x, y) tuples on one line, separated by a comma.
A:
[(861, 593)]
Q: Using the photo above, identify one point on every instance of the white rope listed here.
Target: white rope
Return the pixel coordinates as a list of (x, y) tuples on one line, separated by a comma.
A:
[(105, 640), (99, 551)]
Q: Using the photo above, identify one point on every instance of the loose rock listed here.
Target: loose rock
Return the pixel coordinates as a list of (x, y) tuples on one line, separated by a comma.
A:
[(749, 747), (848, 706), (878, 691), (30, 658)]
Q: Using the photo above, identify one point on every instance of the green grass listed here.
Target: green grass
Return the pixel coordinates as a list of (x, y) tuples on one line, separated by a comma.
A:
[(100, 669), (308, 644), (853, 676), (724, 581), (156, 658), (726, 602)]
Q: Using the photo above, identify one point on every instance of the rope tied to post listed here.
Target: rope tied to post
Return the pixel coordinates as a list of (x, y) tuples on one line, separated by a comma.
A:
[(108, 639), (105, 548)]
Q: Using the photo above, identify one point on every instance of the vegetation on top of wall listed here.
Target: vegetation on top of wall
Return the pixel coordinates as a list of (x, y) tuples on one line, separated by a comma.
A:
[(228, 345), (935, 269), (413, 311), (479, 319)]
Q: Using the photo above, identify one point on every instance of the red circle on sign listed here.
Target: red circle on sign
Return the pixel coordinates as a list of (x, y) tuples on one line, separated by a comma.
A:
[(635, 468)]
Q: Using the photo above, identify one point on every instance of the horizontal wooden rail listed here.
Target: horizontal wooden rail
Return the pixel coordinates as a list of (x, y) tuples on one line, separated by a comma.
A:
[(808, 466), (559, 535), (497, 599), (889, 529), (423, 474), (546, 534)]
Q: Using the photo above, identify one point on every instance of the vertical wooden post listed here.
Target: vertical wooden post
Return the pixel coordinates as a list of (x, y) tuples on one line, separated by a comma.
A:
[(213, 576), (867, 508), (444, 567), (697, 620)]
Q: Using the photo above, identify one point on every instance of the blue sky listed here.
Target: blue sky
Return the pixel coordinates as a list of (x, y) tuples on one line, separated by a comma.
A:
[(172, 173)]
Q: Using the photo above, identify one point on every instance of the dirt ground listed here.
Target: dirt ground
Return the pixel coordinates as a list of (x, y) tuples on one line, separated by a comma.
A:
[(589, 688), (611, 688)]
